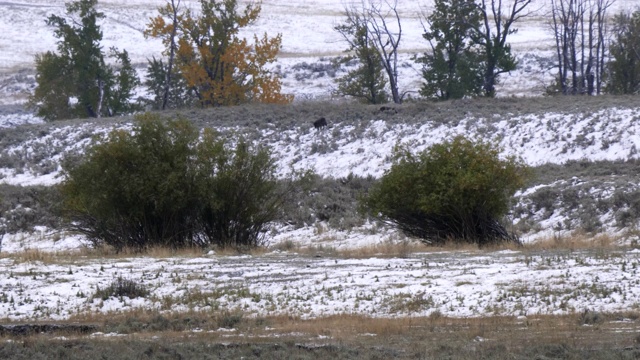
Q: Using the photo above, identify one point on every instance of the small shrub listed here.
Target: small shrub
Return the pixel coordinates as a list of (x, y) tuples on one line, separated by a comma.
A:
[(24, 207), (333, 201), (121, 287), (456, 190), (590, 318), (228, 320), (286, 245)]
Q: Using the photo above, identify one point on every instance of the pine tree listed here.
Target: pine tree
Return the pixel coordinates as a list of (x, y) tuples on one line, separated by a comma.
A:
[(122, 86), (454, 69), (54, 90), (367, 82), (624, 66), (173, 95), (76, 81), (499, 19)]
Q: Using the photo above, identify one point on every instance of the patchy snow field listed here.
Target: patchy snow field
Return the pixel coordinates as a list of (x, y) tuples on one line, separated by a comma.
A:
[(459, 284), (453, 283)]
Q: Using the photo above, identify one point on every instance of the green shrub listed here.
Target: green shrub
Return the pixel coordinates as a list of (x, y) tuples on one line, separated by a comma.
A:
[(456, 190), (165, 184), (239, 193), (120, 288)]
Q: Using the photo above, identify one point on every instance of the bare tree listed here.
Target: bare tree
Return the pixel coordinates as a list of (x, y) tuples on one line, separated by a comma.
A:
[(580, 33), (385, 31), (498, 19)]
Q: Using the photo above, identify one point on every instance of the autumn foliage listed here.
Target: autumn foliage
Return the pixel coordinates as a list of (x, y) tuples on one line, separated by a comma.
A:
[(220, 66)]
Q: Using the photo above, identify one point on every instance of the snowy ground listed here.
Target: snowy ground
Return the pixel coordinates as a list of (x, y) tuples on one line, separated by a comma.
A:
[(454, 283), (459, 284), (364, 147)]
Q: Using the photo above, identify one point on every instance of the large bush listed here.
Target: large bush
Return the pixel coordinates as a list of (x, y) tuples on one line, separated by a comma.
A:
[(163, 183), (457, 190)]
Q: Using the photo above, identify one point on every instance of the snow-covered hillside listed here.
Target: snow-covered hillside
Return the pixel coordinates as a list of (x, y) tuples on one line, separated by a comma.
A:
[(360, 139)]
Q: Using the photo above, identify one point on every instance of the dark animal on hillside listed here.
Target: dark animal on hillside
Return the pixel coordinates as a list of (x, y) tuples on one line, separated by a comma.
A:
[(320, 123), (388, 109)]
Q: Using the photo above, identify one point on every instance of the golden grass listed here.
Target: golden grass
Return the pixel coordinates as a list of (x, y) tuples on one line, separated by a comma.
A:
[(387, 249), (576, 241), (106, 252), (398, 248), (50, 257), (511, 332)]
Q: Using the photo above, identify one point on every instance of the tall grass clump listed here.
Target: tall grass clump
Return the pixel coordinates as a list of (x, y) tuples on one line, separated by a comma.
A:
[(121, 287), (457, 190), (166, 184)]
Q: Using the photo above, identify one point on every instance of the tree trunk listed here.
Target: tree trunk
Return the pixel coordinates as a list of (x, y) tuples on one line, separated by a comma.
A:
[(172, 51), (100, 97)]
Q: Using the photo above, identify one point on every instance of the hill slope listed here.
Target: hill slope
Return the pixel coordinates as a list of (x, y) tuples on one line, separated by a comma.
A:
[(584, 152)]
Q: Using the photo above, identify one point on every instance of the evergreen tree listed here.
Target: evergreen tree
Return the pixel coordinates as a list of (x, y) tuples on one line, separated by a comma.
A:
[(176, 95), (54, 90), (454, 69), (624, 66), (367, 82), (122, 86), (76, 81), (498, 20)]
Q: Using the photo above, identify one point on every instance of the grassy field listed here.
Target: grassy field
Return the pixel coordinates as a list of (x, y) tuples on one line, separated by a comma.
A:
[(153, 336)]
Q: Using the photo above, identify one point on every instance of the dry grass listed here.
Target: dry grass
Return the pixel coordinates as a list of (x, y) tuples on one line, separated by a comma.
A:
[(577, 241), (424, 335), (400, 249), (86, 253), (387, 249), (51, 257)]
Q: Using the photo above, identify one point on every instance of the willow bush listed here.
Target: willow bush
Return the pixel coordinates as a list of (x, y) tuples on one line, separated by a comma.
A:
[(166, 184), (458, 190)]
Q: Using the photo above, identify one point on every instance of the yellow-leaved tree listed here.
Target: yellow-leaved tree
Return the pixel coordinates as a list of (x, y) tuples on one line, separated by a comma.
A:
[(216, 63)]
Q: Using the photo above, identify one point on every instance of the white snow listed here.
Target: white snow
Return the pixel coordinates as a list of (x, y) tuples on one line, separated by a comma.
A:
[(461, 284)]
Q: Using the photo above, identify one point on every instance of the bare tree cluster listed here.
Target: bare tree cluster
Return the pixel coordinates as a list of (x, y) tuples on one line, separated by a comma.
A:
[(580, 32)]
